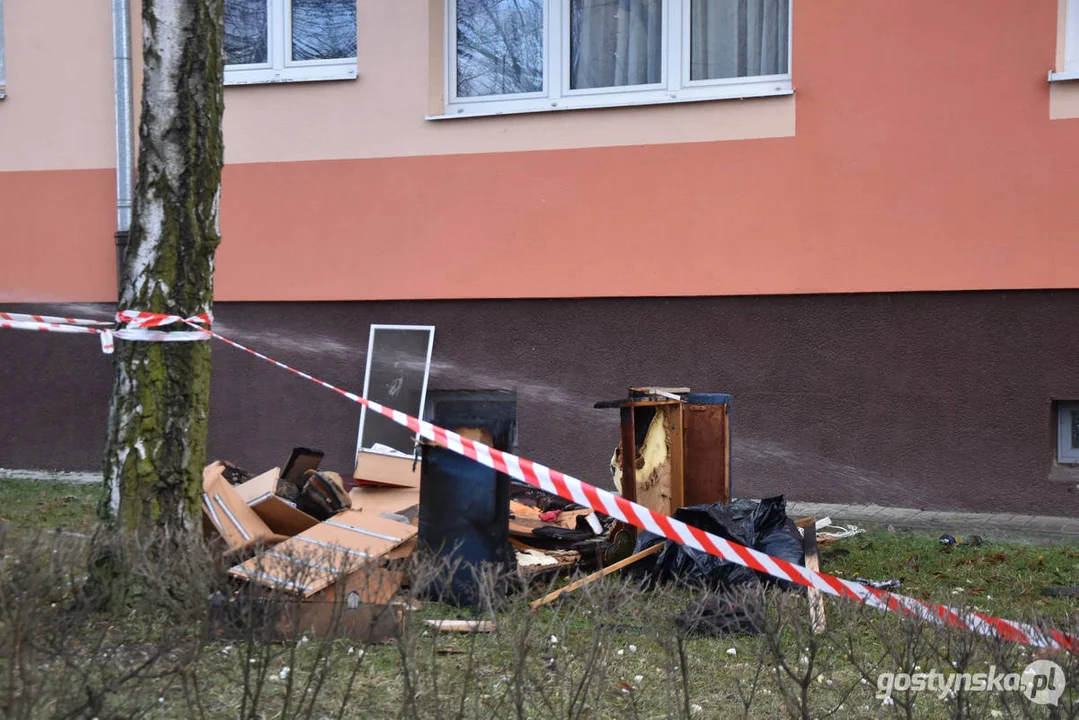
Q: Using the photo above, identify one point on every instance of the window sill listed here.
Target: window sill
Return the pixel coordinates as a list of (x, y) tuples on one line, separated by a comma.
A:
[(309, 73), (741, 91), (1063, 76), (1064, 473)]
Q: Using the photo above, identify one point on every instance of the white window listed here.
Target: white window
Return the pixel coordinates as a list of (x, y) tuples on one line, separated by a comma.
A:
[(507, 56), (1070, 71), (1068, 432), (398, 367), (3, 81), (289, 40)]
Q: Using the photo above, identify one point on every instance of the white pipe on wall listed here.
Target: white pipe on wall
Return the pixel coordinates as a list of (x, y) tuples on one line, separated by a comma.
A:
[(3, 87), (125, 149)]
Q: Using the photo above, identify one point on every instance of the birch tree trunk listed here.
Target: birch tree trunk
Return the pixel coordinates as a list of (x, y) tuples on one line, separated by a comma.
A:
[(161, 391)]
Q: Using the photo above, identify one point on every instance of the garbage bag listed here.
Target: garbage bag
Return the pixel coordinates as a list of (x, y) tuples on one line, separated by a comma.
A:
[(763, 526), (723, 613), (561, 534)]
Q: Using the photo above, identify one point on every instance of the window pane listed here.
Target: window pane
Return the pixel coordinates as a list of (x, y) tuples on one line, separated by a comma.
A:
[(323, 29), (499, 47), (738, 38), (397, 374), (615, 42), (1075, 428), (245, 32)]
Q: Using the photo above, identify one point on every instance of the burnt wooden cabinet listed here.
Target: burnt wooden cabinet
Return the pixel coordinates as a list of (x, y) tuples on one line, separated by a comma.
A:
[(681, 448), (706, 441)]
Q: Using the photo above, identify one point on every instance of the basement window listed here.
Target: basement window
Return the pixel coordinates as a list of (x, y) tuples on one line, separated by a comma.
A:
[(1068, 433), (514, 56), (270, 41)]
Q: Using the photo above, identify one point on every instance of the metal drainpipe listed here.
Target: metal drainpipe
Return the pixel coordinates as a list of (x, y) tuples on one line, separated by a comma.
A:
[(121, 62)]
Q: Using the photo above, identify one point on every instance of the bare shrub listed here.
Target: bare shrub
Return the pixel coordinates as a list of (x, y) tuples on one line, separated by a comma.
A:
[(186, 640)]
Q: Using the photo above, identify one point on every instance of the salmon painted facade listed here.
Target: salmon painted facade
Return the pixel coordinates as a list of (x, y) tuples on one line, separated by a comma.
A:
[(858, 218)]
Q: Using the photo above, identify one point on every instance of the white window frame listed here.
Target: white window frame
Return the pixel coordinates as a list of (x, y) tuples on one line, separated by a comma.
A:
[(430, 330), (280, 68), (3, 75), (1066, 455), (1070, 71), (674, 86)]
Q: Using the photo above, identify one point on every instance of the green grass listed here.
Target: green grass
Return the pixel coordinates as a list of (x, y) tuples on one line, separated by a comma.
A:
[(33, 505), (638, 672), (999, 578), (1004, 579)]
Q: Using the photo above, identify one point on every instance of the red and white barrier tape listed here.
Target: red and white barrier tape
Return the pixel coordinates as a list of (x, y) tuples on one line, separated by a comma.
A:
[(574, 490), (135, 319), (22, 317), (136, 330)]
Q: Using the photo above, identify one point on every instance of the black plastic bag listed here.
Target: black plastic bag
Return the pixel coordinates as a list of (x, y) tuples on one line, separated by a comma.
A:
[(723, 613), (762, 526)]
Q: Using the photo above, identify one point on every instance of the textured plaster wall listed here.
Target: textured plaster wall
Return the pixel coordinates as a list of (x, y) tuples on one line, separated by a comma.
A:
[(915, 400)]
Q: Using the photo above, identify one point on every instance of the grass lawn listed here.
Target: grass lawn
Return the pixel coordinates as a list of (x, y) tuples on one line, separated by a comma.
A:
[(34, 505), (1003, 579), (608, 651)]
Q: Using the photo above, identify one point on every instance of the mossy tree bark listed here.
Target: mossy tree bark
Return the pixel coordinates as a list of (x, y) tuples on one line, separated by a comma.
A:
[(161, 392)]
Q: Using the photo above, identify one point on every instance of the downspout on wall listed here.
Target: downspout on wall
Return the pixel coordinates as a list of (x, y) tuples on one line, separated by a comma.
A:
[(125, 150), (3, 86)]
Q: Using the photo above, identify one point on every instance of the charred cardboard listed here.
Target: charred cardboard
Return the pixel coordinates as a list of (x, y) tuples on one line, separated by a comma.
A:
[(238, 524), (378, 500), (328, 579), (391, 470), (340, 615), (281, 516), (363, 607), (348, 544)]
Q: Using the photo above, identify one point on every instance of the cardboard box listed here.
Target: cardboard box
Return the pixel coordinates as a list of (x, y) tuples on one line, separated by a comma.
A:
[(362, 607), (390, 470), (378, 500), (239, 525), (280, 515), (348, 544), (328, 578), (358, 607), (337, 616)]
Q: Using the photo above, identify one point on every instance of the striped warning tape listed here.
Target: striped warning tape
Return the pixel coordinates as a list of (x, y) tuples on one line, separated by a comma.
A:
[(18, 321), (137, 319), (137, 331), (23, 317), (574, 490)]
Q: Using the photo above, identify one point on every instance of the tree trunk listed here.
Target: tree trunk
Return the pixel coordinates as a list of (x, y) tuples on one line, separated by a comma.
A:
[(161, 392)]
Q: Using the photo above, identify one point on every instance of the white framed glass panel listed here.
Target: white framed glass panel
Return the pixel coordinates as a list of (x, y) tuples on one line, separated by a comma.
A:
[(398, 367), (269, 41), (498, 47), (1071, 36), (615, 43), (323, 29), (247, 32), (738, 39), (516, 56)]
